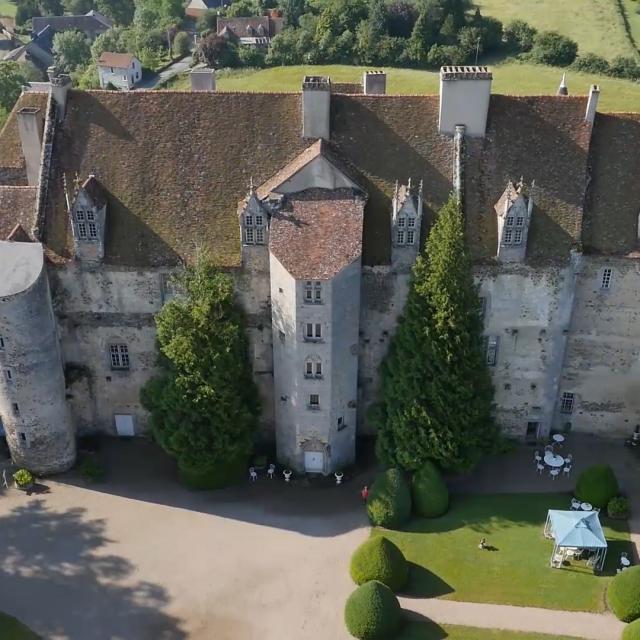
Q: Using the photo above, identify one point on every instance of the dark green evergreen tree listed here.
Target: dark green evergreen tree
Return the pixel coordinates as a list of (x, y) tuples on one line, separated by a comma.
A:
[(436, 391), (204, 405)]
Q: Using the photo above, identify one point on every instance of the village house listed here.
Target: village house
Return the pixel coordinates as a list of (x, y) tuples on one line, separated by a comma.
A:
[(256, 31), (197, 8), (317, 205), (119, 70), (92, 24)]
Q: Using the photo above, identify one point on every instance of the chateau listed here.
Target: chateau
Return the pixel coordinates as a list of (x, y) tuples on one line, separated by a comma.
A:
[(317, 204)]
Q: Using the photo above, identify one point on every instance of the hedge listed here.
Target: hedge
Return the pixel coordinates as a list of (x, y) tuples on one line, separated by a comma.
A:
[(379, 559), (618, 508), (623, 594), (372, 612), (429, 492), (218, 476), (597, 485), (389, 501), (631, 631)]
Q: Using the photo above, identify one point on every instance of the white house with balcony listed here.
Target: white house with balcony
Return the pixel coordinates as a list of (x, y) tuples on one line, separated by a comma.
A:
[(121, 70)]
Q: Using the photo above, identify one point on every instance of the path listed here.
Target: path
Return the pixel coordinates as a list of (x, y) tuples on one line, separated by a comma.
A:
[(590, 626), (153, 80)]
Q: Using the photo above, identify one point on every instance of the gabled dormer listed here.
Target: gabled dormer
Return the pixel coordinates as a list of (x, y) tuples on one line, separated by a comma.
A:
[(88, 212), (406, 220), (254, 221), (513, 211)]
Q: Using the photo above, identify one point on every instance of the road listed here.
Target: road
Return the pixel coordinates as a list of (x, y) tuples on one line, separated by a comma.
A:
[(153, 80)]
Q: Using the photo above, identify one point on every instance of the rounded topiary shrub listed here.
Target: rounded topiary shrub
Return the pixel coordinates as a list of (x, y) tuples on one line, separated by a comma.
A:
[(372, 612), (389, 501), (631, 631), (623, 594), (429, 492), (618, 508), (379, 559), (597, 485)]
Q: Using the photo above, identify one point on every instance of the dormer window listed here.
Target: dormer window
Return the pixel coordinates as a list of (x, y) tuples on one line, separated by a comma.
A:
[(313, 291), (401, 221), (254, 229), (400, 237), (410, 235), (405, 218), (514, 209), (508, 235)]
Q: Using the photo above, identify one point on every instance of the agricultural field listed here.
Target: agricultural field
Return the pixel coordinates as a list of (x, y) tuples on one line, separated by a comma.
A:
[(509, 78), (7, 8), (598, 26)]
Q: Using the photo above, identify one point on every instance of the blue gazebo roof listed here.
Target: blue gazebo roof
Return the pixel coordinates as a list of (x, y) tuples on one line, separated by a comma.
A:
[(577, 529)]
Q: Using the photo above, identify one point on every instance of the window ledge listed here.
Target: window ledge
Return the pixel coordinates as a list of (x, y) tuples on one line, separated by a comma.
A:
[(313, 407), (308, 339)]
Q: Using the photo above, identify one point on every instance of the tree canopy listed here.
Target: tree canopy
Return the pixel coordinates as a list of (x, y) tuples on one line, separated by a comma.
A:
[(436, 392), (204, 406), (70, 50)]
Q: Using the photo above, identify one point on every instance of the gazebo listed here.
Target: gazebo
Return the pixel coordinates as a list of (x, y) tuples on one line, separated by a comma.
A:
[(576, 530)]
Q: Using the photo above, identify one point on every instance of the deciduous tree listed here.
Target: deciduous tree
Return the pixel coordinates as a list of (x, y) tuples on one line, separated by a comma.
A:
[(12, 79), (436, 391), (70, 50)]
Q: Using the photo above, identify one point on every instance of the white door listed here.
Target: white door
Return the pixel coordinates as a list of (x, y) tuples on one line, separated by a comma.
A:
[(124, 424), (314, 461)]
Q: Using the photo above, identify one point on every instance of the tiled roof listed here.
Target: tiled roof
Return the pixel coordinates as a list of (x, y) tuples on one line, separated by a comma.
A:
[(318, 232), (243, 27), (95, 23), (613, 205), (12, 167), (118, 60), (175, 165), (17, 207)]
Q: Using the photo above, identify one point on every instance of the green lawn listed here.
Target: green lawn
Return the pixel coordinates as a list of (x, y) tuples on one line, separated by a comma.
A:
[(509, 78), (11, 629), (7, 8), (596, 25), (448, 563), (432, 631)]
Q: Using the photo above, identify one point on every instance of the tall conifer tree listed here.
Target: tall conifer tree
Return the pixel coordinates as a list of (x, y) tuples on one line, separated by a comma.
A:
[(436, 388)]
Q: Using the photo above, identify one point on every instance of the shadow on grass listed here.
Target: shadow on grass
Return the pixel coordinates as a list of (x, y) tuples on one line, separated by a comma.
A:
[(424, 583), (417, 627)]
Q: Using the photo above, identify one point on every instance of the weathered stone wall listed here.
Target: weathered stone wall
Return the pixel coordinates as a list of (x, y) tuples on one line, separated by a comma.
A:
[(602, 366), (36, 418)]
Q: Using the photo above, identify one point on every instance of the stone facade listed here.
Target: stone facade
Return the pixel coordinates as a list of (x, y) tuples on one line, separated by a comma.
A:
[(324, 241)]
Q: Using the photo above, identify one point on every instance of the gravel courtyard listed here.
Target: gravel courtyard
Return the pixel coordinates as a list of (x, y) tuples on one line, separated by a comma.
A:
[(140, 558)]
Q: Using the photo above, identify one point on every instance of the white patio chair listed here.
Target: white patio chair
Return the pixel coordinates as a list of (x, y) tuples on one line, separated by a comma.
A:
[(557, 561), (540, 468), (554, 473), (566, 470), (252, 474), (271, 470), (537, 457), (568, 459), (575, 504)]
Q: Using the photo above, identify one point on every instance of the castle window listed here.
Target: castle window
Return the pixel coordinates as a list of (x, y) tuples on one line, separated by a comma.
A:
[(308, 372), (248, 221), (606, 278), (318, 372), (93, 231), (519, 221), (259, 221), (254, 229), (16, 409), (314, 401), (259, 236), (308, 291), (119, 354), (90, 216), (411, 222), (517, 237), (82, 229), (508, 235), (317, 292), (248, 236), (312, 368), (401, 222), (483, 307), (400, 237), (410, 236), (23, 436), (313, 331), (509, 221), (8, 375), (492, 350), (80, 216), (2, 343), (566, 402)]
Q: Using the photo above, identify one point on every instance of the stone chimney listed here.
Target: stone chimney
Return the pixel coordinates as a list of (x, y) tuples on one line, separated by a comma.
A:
[(374, 83), (316, 107), (563, 90), (60, 85), (592, 103), (31, 125), (464, 99), (203, 79)]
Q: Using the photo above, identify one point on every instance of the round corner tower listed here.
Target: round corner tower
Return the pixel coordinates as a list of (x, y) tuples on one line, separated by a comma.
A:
[(33, 406)]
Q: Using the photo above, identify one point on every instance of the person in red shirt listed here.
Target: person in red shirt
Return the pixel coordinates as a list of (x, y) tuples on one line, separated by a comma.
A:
[(364, 493)]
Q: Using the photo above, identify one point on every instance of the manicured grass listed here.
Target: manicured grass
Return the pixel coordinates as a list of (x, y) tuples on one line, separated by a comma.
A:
[(7, 8), (432, 631), (632, 10), (509, 78), (596, 25), (449, 564), (11, 629)]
